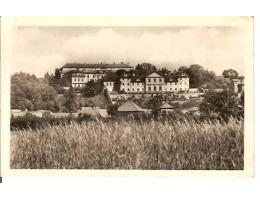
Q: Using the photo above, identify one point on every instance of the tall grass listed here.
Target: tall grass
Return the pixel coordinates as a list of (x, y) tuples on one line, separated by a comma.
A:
[(130, 145)]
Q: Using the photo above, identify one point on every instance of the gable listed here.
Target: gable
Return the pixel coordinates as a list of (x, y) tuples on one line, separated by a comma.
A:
[(154, 75)]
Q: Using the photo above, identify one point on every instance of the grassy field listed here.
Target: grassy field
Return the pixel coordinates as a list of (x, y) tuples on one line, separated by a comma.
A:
[(131, 145)]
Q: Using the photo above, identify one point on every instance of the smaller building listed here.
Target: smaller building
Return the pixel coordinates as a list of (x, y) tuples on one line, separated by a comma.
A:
[(109, 85), (94, 112), (130, 108), (165, 108), (238, 84)]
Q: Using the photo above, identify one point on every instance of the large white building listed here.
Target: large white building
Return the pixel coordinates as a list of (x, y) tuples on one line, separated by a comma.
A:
[(79, 79), (155, 83), (80, 74)]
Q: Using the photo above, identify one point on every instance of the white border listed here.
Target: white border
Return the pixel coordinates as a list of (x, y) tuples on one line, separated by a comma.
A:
[(7, 23)]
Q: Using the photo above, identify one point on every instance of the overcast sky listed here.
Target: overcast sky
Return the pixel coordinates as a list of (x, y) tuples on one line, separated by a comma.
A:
[(39, 50)]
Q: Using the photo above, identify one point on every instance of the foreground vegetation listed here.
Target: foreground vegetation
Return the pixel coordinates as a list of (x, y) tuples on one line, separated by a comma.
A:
[(131, 145)]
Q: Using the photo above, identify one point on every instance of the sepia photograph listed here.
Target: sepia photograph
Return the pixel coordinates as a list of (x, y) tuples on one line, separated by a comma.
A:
[(131, 97)]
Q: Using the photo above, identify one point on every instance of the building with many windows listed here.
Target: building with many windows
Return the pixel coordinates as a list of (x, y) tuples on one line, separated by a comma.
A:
[(80, 74), (155, 83)]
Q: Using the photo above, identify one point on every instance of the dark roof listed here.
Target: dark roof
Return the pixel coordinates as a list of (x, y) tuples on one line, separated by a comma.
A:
[(182, 74), (100, 65), (130, 106)]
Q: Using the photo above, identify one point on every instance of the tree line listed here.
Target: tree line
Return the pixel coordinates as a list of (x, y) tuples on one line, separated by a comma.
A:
[(32, 93)]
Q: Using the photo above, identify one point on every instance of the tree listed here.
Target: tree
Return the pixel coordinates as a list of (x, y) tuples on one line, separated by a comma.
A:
[(155, 103), (92, 88), (143, 70), (30, 92), (222, 105), (230, 73), (70, 100), (112, 110), (198, 75)]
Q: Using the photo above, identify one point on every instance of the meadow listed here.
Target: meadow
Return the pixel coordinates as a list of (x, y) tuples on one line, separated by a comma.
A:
[(127, 144)]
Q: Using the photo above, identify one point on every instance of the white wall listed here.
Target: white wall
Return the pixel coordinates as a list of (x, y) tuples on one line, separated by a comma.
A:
[(109, 86)]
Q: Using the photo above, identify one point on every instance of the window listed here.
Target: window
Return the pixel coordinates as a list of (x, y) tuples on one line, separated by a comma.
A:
[(78, 80), (160, 88), (128, 89), (133, 89), (154, 80), (123, 83), (137, 83), (128, 84), (154, 88), (82, 79), (160, 80), (87, 76), (149, 80), (75, 80), (94, 75), (137, 89), (170, 88), (175, 88), (149, 88), (110, 84)]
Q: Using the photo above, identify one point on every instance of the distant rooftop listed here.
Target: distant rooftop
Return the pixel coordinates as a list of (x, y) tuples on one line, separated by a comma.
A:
[(130, 106), (97, 65), (154, 75)]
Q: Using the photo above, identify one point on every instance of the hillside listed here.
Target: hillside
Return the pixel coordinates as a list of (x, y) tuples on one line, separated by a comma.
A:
[(98, 100)]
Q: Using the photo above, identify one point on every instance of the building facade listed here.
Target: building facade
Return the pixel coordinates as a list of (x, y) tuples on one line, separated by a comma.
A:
[(155, 83), (238, 84), (80, 74), (109, 85)]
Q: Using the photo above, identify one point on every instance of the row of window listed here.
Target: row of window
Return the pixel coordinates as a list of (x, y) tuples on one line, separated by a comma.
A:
[(170, 83), (88, 76), (78, 79), (78, 85), (134, 83), (108, 84), (155, 80), (137, 90), (154, 88), (99, 76)]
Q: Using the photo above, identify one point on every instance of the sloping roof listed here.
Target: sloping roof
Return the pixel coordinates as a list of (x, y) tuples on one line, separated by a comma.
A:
[(130, 106), (94, 111), (90, 111), (166, 106), (103, 113), (100, 65), (154, 75)]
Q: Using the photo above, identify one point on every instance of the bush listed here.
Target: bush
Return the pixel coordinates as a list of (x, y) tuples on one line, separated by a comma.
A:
[(221, 105)]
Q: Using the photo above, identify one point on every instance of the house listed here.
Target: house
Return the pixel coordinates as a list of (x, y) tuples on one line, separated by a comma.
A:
[(63, 115), (109, 85), (166, 108), (94, 112), (155, 83), (238, 84), (87, 67), (130, 108), (131, 86), (80, 74)]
